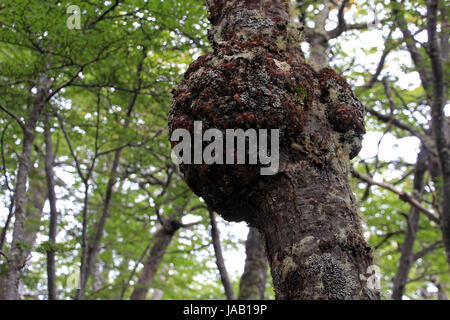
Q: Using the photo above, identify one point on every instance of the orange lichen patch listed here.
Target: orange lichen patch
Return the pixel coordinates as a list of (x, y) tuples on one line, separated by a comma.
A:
[(237, 98), (249, 118), (239, 120), (229, 67), (348, 118), (327, 74), (183, 122), (194, 66), (273, 69)]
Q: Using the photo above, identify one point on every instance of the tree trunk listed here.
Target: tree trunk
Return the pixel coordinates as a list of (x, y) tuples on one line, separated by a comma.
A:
[(94, 247), (162, 240), (407, 248), (50, 176), (439, 121), (318, 39), (253, 280), (36, 199), (215, 235), (256, 77), (20, 194), (313, 238)]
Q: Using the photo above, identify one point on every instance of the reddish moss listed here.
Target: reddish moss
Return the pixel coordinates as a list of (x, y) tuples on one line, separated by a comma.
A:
[(327, 74), (255, 84)]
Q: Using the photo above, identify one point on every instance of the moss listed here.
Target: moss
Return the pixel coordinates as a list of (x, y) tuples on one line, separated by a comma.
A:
[(300, 93), (254, 80)]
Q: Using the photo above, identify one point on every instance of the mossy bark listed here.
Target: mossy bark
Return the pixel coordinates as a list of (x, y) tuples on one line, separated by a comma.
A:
[(256, 77)]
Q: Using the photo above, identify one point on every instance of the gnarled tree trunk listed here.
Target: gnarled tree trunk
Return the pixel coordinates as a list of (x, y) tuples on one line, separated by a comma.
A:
[(255, 78)]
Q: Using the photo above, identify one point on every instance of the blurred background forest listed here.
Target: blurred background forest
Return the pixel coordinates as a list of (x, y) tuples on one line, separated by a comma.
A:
[(93, 207)]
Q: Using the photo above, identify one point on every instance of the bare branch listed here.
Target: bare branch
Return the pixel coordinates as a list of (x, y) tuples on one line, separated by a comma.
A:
[(427, 250), (402, 195), (14, 116), (341, 22)]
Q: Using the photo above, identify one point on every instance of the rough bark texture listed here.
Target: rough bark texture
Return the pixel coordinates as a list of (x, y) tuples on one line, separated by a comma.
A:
[(256, 77), (253, 280), (162, 240), (407, 248)]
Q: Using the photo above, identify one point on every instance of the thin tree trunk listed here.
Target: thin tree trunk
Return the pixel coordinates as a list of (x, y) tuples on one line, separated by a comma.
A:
[(50, 176), (161, 240), (35, 205), (20, 195), (215, 235), (84, 243), (253, 280), (95, 246), (407, 247)]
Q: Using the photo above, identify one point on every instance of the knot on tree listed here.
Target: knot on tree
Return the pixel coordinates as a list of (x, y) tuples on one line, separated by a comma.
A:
[(256, 78)]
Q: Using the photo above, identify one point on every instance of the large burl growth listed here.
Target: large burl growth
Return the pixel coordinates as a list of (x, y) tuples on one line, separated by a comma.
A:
[(256, 77)]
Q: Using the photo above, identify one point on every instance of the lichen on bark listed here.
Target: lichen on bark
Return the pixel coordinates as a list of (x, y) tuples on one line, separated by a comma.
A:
[(256, 77)]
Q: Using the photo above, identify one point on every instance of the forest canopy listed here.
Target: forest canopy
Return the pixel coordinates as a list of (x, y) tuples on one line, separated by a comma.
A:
[(93, 204)]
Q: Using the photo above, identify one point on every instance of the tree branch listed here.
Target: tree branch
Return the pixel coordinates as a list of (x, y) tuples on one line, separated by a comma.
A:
[(402, 195), (427, 250), (14, 116)]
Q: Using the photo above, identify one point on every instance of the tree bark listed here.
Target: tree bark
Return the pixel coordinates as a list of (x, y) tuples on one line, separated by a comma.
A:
[(439, 123), (35, 204), (253, 280), (50, 177), (215, 235), (20, 195), (313, 238), (162, 240), (256, 77), (318, 39), (407, 247)]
